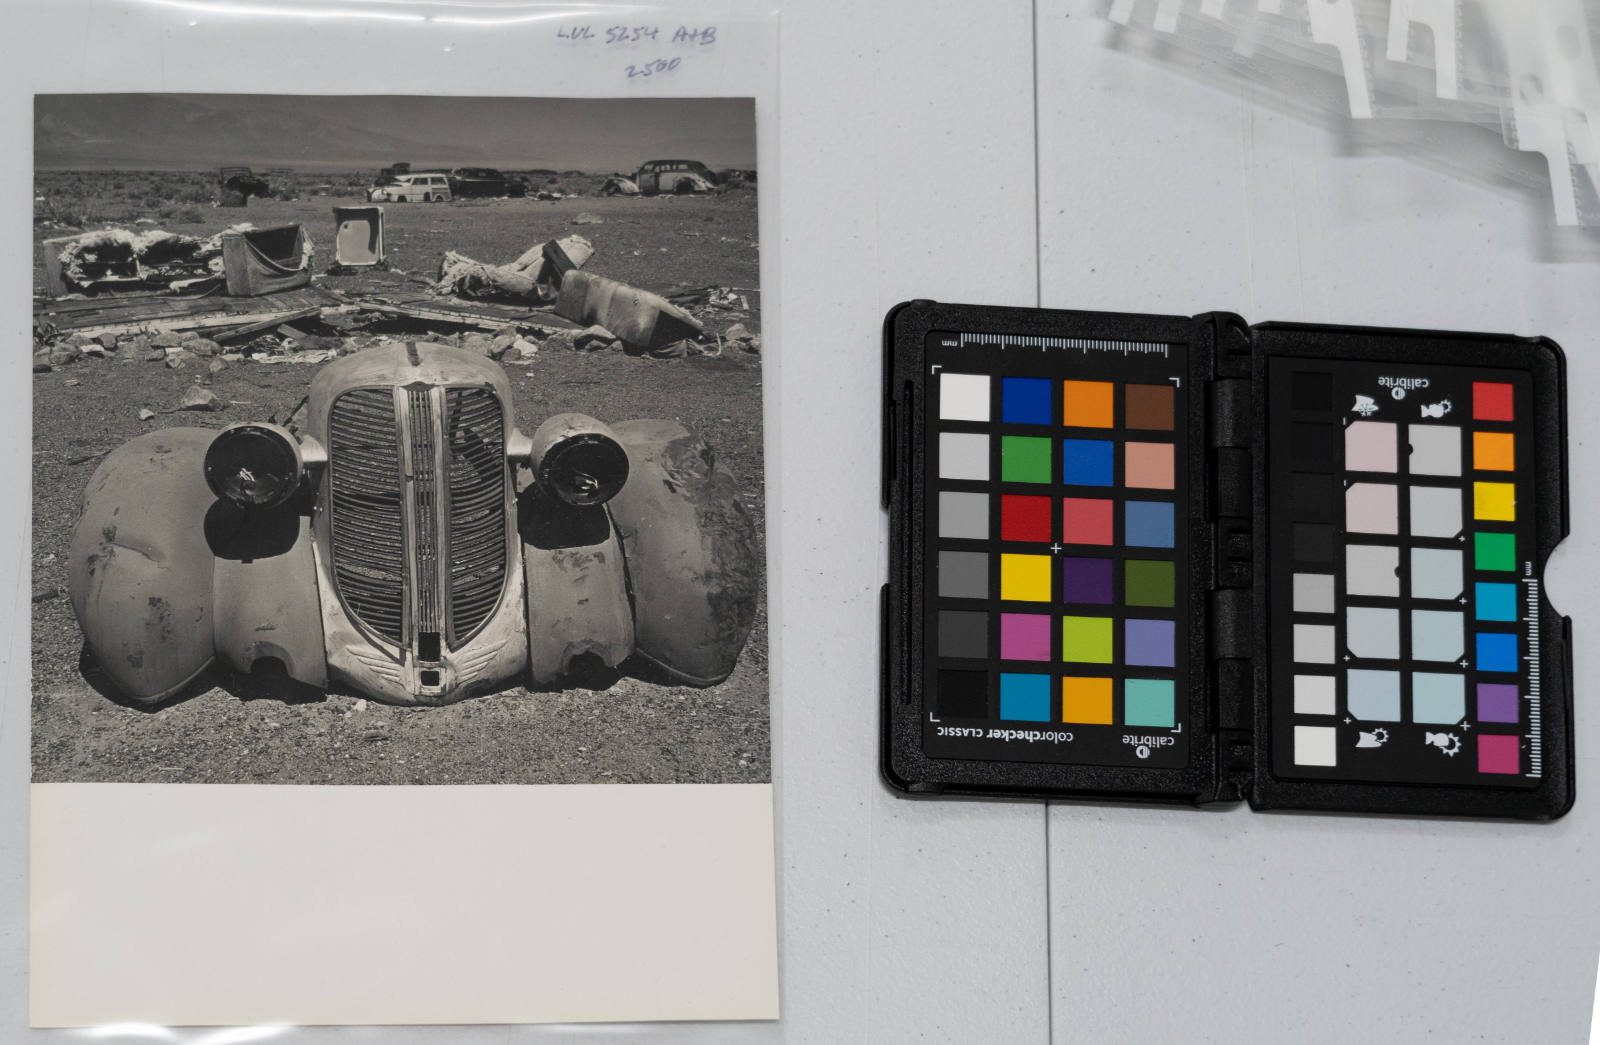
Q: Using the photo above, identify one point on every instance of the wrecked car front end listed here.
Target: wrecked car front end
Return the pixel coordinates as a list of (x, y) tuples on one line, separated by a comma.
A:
[(411, 545)]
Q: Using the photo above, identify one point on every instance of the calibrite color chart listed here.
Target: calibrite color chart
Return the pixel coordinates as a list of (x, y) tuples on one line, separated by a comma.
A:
[(1055, 515), (1403, 526)]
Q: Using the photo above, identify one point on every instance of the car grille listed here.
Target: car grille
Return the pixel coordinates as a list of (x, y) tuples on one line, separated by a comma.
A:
[(477, 482), (364, 509), (367, 522)]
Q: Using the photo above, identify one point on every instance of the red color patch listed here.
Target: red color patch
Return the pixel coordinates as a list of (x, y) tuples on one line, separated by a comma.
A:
[(1086, 520), (1491, 401), (1024, 518)]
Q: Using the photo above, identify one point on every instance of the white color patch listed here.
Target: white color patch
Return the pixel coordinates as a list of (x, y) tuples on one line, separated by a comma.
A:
[(1316, 746), (964, 397), (1314, 695)]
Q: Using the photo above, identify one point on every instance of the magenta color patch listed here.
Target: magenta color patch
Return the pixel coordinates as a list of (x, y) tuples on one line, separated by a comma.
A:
[(1024, 636), (1497, 702), (1498, 754)]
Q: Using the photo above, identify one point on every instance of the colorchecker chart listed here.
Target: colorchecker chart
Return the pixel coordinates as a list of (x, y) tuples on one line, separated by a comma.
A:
[(1055, 627), (1404, 528)]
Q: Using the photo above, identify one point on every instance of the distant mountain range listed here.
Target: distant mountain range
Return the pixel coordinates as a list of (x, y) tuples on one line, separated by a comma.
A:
[(185, 132), (200, 131)]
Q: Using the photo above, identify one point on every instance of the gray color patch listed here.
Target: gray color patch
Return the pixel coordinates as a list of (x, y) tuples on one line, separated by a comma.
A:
[(1436, 511), (1435, 573), (1373, 696), (1436, 635), (964, 515), (963, 575), (1369, 569), (963, 455), (1313, 593), (963, 634), (1372, 632)]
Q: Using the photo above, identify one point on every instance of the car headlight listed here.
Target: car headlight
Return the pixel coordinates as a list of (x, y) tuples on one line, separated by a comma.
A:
[(578, 460), (254, 465)]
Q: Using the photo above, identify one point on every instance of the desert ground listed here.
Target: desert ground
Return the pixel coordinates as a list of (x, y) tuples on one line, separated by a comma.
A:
[(590, 730)]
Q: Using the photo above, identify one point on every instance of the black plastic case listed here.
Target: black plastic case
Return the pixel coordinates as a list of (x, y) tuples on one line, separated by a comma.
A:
[(1228, 527)]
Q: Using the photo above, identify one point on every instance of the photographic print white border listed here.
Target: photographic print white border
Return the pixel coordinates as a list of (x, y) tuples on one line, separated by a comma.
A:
[(189, 904)]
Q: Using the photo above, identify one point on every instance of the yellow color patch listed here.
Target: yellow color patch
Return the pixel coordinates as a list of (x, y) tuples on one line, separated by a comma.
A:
[(1086, 700), (1087, 404), (1496, 501), (1493, 451), (1025, 577)]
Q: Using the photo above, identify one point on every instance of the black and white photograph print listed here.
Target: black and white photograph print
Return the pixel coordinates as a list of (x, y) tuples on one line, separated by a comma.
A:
[(397, 440)]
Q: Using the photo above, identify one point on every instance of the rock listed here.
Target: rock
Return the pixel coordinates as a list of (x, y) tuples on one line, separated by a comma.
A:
[(187, 336), (511, 354), (166, 339), (501, 343), (203, 347), (594, 339), (66, 353), (479, 343), (108, 341), (72, 382), (217, 366), (560, 339), (155, 355), (176, 361), (198, 398), (586, 218), (41, 362), (80, 340), (675, 350), (95, 349), (147, 415), (752, 345), (140, 344), (738, 332)]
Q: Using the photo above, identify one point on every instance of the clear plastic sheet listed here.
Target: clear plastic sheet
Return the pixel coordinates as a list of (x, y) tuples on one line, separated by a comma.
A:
[(339, 879), (1405, 71)]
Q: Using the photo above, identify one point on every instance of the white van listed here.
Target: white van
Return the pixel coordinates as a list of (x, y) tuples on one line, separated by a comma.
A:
[(415, 188)]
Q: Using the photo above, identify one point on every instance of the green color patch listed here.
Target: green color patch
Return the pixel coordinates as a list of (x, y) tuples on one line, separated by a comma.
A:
[(1148, 702), (1086, 640), (1024, 459), (1148, 582), (1494, 551)]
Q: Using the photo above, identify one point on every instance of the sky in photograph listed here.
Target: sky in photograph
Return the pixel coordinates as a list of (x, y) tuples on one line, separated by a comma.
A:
[(310, 132)]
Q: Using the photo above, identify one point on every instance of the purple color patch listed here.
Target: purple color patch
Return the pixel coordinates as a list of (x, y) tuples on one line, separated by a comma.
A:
[(1024, 636), (1086, 580), (1497, 702), (1149, 643)]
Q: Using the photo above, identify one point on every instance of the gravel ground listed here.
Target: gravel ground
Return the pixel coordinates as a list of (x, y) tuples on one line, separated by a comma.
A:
[(623, 730)]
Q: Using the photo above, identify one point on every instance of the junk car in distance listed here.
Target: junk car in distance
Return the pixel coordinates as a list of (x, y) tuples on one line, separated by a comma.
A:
[(410, 544), (674, 176), (466, 182)]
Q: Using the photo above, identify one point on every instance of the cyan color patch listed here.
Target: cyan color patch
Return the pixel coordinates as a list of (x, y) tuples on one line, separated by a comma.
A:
[(1496, 601), (1148, 702), (1024, 697)]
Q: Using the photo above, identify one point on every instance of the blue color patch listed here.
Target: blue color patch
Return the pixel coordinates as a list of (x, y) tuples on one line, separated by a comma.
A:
[(1086, 462), (1024, 698), (1496, 601), (1497, 651), (1147, 524), (1026, 400)]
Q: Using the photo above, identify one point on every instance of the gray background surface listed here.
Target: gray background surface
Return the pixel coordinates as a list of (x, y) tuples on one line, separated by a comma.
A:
[(909, 168)]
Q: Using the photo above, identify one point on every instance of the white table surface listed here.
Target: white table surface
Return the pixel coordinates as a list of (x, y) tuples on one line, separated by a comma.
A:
[(909, 169)]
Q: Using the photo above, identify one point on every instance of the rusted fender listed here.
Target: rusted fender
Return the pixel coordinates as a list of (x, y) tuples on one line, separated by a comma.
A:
[(140, 569), (691, 553)]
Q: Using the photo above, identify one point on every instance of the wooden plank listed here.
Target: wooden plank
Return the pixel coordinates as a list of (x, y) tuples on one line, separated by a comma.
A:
[(483, 315), (264, 325), (165, 313)]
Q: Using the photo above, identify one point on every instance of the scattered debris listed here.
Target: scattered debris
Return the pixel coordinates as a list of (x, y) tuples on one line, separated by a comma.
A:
[(265, 261), (198, 398), (534, 277), (595, 339), (641, 319), (146, 414), (588, 218)]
